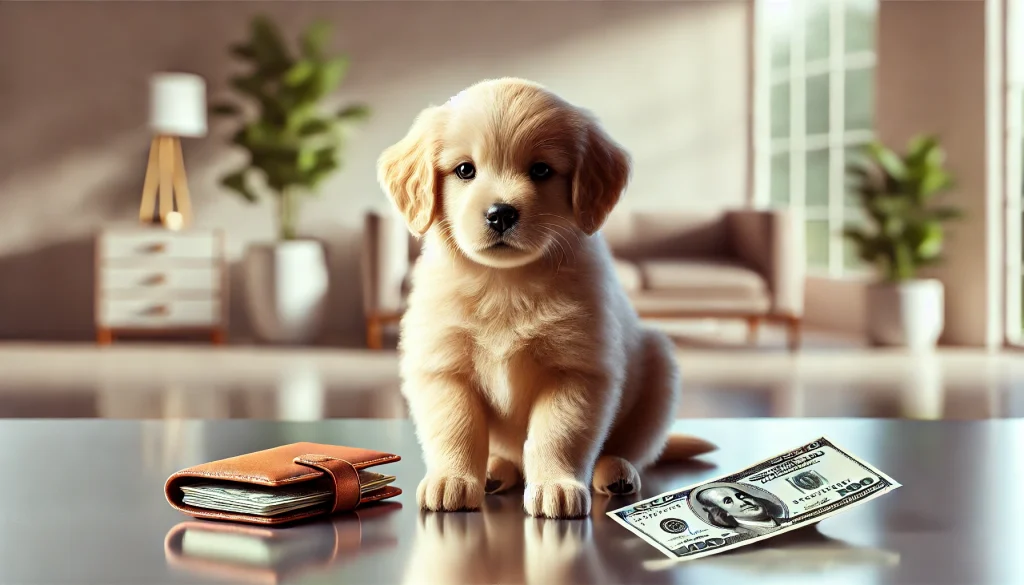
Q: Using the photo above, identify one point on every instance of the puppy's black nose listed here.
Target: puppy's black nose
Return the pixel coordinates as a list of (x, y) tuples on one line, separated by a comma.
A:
[(501, 217)]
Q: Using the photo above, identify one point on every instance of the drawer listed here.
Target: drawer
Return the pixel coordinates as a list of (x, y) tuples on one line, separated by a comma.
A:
[(147, 314), (159, 244), (150, 280)]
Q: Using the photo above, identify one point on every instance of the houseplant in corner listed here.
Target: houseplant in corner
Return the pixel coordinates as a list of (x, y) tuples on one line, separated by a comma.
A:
[(899, 193), (293, 144)]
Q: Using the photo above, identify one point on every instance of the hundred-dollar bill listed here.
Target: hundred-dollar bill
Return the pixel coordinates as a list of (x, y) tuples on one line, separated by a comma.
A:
[(789, 491)]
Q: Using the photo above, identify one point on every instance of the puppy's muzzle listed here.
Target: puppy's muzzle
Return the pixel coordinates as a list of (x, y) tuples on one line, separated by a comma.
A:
[(501, 217)]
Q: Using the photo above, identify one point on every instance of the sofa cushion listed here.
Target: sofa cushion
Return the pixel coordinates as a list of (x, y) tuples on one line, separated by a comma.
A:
[(629, 275), (711, 276), (666, 305), (701, 285)]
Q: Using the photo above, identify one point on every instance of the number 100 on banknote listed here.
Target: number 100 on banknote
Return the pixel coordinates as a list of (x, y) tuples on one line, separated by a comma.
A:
[(786, 492)]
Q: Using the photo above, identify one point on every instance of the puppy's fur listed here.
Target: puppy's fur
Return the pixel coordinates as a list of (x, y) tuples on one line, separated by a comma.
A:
[(521, 354)]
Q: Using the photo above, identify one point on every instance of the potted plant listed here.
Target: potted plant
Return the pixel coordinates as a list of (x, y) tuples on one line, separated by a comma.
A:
[(293, 144), (899, 193)]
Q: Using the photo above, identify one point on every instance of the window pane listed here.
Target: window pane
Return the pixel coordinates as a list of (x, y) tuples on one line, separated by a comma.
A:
[(780, 110), (780, 179), (817, 104), (817, 178), (851, 255), (780, 23), (816, 31), (852, 155), (817, 240), (860, 99), (860, 19)]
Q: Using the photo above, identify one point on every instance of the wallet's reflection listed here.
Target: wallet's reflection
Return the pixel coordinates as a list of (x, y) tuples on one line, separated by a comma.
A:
[(254, 554)]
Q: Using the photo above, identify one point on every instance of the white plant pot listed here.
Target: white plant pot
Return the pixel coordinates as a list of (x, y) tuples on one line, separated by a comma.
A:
[(286, 290), (907, 314)]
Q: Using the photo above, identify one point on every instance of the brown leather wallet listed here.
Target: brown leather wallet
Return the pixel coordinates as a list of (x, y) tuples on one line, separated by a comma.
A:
[(334, 466)]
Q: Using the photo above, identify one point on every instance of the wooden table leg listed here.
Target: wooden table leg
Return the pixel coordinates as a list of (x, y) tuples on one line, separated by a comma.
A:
[(793, 333), (104, 336), (753, 323), (219, 337), (374, 333)]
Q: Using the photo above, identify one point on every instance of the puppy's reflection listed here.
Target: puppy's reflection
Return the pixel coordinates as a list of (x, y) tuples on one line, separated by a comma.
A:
[(256, 554), (501, 544)]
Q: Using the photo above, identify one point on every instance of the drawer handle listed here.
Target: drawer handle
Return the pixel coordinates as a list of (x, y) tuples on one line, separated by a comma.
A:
[(156, 279), (157, 248), (158, 311)]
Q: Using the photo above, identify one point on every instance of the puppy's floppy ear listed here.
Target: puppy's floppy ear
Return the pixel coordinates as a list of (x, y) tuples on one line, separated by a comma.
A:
[(406, 171), (602, 172)]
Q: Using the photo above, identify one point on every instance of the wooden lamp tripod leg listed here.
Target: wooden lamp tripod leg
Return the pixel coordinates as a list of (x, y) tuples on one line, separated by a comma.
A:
[(181, 194), (149, 186)]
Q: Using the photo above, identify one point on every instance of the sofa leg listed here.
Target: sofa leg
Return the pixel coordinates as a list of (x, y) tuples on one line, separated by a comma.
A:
[(753, 323), (793, 333), (374, 333)]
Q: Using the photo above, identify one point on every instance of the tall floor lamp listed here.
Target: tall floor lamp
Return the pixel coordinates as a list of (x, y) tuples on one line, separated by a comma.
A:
[(177, 109)]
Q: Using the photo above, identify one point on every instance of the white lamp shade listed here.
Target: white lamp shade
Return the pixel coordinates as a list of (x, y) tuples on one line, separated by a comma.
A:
[(177, 104)]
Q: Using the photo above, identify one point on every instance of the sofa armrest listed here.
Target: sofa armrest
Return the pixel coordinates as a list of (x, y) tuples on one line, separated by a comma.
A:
[(385, 263), (772, 242)]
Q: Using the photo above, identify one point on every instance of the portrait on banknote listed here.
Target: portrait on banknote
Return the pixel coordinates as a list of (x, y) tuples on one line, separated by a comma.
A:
[(743, 508)]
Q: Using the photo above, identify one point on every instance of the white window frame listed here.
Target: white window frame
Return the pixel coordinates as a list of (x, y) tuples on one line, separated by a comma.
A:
[(836, 211), (1014, 180)]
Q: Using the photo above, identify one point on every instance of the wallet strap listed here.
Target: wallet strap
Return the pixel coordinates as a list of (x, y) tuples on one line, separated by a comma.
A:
[(344, 475)]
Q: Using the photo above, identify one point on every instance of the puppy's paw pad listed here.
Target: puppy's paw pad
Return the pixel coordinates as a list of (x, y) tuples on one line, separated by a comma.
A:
[(502, 475), (448, 493), (557, 499), (614, 476)]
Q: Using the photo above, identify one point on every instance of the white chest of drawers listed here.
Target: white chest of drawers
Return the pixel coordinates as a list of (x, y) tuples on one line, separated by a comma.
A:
[(152, 281)]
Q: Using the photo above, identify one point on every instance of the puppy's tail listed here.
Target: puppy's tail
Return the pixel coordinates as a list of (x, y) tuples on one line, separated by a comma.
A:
[(683, 447)]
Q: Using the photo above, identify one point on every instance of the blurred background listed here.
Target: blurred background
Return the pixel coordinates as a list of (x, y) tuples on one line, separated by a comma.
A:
[(793, 285)]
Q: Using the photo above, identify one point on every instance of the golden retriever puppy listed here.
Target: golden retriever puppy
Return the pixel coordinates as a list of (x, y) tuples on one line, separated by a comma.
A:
[(521, 356)]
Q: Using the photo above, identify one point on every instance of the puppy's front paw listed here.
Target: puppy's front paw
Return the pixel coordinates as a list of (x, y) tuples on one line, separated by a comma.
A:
[(447, 493), (557, 499)]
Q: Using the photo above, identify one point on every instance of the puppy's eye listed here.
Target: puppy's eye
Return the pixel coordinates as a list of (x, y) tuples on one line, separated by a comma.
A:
[(465, 171), (540, 171)]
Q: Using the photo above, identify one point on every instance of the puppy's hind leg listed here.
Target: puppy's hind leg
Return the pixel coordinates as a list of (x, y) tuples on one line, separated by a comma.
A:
[(640, 433)]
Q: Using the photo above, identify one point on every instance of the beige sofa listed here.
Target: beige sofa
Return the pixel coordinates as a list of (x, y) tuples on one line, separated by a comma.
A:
[(736, 264)]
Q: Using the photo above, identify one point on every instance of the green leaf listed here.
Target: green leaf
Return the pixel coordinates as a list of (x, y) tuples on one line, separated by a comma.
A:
[(354, 112), (314, 40), (250, 85), (269, 48), (306, 160), (243, 52), (890, 162), (313, 127), (331, 75), (237, 182), (299, 73), (934, 181), (225, 109), (930, 244)]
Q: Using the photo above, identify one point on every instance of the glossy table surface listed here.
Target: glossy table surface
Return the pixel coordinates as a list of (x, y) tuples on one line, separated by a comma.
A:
[(81, 502)]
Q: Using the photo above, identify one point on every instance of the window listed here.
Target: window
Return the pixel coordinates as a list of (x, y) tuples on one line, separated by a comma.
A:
[(816, 61)]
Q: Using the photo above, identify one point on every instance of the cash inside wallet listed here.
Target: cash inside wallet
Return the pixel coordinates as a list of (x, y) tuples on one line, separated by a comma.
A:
[(264, 501)]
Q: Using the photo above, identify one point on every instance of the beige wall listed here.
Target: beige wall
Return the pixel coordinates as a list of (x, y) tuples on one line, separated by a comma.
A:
[(669, 80), (938, 72)]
